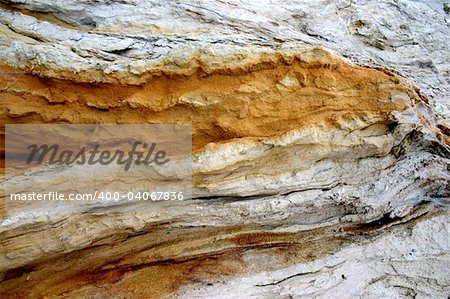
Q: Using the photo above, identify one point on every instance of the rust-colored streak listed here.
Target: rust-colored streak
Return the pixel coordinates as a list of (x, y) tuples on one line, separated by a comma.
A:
[(157, 264)]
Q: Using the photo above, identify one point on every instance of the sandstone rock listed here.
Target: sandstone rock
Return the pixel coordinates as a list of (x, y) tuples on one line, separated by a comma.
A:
[(320, 139)]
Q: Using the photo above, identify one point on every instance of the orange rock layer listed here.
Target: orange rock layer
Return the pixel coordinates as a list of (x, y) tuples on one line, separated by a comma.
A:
[(266, 100)]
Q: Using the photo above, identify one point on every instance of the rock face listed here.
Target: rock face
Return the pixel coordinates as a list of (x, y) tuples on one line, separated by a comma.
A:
[(320, 141)]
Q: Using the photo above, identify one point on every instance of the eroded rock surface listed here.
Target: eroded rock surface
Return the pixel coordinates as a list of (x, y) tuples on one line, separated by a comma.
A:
[(320, 139)]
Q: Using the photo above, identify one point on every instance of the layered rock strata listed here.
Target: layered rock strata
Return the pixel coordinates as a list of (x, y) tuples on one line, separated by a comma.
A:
[(321, 153)]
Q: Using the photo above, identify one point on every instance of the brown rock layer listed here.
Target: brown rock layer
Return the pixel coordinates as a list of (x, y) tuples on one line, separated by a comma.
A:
[(265, 100)]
